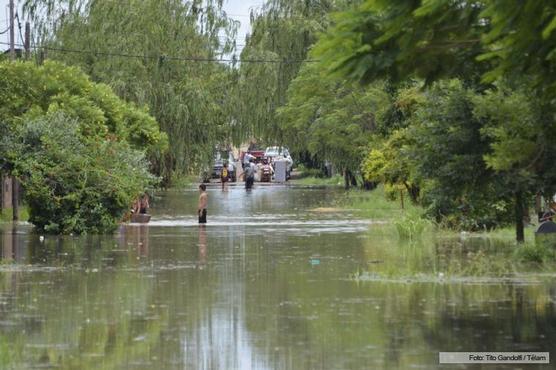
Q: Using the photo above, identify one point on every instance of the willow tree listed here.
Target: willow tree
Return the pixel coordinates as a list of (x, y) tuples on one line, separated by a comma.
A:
[(282, 34), (156, 53), (333, 120)]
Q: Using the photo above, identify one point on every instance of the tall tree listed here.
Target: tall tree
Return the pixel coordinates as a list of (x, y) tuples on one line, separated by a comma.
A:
[(479, 42), (155, 53), (331, 119), (283, 32)]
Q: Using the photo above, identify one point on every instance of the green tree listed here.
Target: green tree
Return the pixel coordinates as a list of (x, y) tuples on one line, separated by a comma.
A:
[(448, 153), (479, 42), (330, 119), (77, 148), (74, 184), (282, 31), (154, 53), (521, 137)]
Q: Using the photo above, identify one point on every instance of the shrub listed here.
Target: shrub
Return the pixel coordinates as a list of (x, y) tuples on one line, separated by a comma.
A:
[(74, 184)]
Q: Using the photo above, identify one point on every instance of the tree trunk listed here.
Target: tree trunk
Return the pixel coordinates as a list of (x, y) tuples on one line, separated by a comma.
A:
[(519, 214), (15, 199), (353, 179), (347, 181)]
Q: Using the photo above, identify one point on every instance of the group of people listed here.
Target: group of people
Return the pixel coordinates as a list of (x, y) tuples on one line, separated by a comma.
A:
[(249, 170)]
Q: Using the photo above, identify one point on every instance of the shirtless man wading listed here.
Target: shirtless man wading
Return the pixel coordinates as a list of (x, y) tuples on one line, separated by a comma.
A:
[(203, 202)]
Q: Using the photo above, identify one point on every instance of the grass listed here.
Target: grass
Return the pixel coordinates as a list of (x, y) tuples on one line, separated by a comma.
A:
[(409, 224), (336, 180), (375, 205)]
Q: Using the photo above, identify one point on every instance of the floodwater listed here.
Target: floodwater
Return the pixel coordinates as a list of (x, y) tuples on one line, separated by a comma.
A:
[(270, 283)]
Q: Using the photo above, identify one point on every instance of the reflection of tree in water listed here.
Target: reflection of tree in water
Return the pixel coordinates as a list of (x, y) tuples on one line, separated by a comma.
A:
[(493, 318), (257, 302)]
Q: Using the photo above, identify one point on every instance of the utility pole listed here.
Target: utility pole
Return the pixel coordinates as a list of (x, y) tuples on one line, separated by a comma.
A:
[(15, 192), (12, 30)]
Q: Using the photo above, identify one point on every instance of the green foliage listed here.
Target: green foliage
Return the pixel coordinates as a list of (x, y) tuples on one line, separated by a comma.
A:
[(191, 100), (28, 92), (448, 154), (282, 30), (538, 253), (485, 44), (74, 184), (6, 214), (77, 148), (330, 119), (401, 39), (411, 225)]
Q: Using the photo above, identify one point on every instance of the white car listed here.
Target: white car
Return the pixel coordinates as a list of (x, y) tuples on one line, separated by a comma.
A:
[(278, 152)]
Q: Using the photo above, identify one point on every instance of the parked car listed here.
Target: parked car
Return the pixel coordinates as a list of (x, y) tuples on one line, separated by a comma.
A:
[(219, 158), (278, 152)]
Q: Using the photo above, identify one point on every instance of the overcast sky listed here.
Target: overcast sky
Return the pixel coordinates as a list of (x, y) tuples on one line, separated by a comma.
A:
[(236, 9)]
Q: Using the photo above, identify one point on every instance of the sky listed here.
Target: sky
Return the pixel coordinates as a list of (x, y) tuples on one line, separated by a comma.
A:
[(237, 9)]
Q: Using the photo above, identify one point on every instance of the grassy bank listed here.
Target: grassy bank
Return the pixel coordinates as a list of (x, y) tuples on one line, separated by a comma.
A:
[(374, 204), (318, 181), (410, 224)]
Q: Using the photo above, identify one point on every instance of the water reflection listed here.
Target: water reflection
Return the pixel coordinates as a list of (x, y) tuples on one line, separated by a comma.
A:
[(135, 236), (13, 246), (202, 259), (247, 293)]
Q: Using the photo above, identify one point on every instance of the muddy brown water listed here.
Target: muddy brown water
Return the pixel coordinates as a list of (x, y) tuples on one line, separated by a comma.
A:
[(267, 284)]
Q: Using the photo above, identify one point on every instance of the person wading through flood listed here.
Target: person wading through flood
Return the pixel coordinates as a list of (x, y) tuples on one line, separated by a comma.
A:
[(224, 175), (203, 202), (249, 174)]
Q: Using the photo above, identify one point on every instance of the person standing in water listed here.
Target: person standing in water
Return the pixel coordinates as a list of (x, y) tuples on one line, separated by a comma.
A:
[(224, 175), (249, 175), (203, 202)]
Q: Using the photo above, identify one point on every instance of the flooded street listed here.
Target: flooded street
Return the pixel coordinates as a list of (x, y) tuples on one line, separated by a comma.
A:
[(274, 281)]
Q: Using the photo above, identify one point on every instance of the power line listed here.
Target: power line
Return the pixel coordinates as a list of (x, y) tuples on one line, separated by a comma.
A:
[(166, 57), (19, 26)]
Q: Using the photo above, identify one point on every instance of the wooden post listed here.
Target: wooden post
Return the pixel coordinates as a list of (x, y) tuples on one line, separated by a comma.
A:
[(401, 198)]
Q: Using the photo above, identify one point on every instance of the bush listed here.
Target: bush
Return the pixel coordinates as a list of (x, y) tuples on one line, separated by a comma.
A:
[(535, 253), (28, 92), (74, 184)]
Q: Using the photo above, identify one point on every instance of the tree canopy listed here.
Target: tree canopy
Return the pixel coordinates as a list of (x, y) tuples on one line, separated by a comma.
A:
[(154, 53), (77, 148)]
